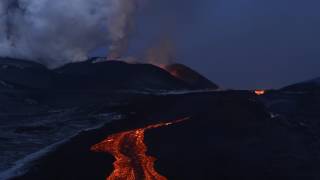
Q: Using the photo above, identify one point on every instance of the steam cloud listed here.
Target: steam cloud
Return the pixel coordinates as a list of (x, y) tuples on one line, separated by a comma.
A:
[(60, 31)]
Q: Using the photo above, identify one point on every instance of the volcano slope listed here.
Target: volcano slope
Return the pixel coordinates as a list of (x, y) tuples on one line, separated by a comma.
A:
[(41, 106), (229, 136), (189, 76)]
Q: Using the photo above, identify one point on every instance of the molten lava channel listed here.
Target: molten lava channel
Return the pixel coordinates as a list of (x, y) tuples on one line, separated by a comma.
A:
[(129, 150)]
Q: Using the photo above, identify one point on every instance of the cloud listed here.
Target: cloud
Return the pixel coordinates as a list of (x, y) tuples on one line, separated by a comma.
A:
[(53, 32)]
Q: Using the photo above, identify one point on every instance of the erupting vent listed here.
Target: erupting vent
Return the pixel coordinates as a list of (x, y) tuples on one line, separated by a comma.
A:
[(189, 76), (129, 150)]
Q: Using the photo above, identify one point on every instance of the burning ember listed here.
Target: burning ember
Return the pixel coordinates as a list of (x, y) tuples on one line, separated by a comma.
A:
[(129, 150), (259, 92)]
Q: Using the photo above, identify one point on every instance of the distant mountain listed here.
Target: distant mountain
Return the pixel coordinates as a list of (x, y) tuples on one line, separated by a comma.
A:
[(300, 101), (190, 76), (310, 85)]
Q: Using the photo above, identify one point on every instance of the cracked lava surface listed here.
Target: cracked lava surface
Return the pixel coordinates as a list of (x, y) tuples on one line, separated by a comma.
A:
[(129, 150)]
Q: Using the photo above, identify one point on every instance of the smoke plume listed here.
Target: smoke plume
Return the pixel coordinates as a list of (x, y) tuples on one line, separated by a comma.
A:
[(162, 53), (120, 24), (60, 31)]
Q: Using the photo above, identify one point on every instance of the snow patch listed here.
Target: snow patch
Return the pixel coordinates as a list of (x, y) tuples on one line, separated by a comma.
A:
[(99, 60), (274, 115), (22, 166), (12, 65), (5, 66)]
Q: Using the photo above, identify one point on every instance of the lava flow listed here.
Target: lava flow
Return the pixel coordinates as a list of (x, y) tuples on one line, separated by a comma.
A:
[(259, 92), (129, 150)]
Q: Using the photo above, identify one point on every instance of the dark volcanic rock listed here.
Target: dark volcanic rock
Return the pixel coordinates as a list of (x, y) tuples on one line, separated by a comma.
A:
[(111, 75), (300, 100), (22, 82), (310, 86), (229, 136), (28, 74), (95, 75), (297, 105), (191, 77)]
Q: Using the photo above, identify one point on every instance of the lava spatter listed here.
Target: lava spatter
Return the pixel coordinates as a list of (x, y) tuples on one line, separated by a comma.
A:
[(129, 150)]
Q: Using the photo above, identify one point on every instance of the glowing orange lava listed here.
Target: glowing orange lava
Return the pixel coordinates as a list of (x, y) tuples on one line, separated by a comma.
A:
[(260, 92), (173, 72), (129, 150)]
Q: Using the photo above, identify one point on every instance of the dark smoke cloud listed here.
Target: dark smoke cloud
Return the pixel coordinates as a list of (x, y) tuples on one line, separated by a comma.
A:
[(61, 31)]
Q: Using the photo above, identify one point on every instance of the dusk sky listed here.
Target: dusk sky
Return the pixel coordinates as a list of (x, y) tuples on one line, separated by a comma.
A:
[(240, 43), (236, 43)]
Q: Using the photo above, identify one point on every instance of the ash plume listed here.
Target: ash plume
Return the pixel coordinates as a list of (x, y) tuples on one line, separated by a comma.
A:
[(161, 53), (57, 32), (120, 24)]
